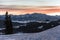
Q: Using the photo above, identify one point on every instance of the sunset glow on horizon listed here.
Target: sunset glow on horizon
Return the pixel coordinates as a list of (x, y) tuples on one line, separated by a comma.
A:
[(18, 7), (29, 10)]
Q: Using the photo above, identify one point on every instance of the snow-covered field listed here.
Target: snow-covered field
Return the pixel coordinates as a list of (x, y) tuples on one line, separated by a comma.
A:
[(31, 21), (51, 34)]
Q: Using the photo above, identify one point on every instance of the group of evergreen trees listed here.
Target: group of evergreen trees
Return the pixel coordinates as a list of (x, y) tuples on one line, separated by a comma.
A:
[(33, 27)]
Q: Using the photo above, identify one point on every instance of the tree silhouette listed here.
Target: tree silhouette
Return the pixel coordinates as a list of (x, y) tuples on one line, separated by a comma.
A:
[(8, 24)]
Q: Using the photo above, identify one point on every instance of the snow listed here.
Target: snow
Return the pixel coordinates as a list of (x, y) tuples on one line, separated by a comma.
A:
[(21, 21), (2, 28), (50, 34), (16, 26), (31, 21), (40, 27)]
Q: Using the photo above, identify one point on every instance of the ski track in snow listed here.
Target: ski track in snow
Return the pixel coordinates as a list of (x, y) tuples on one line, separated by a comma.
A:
[(50, 34)]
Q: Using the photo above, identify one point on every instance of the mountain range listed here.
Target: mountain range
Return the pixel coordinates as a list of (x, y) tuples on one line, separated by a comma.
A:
[(33, 16)]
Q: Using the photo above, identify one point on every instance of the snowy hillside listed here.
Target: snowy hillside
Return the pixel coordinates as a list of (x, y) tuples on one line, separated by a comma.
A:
[(51, 34)]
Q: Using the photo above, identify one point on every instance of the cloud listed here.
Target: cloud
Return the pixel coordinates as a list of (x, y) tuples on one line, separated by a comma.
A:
[(31, 2)]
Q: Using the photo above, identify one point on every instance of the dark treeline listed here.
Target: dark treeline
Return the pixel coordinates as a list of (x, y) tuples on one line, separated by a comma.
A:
[(33, 27)]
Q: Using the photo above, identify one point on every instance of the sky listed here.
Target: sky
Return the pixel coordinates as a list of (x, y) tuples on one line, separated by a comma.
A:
[(16, 7)]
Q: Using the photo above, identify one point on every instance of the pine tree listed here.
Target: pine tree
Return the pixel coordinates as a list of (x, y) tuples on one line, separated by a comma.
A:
[(8, 24)]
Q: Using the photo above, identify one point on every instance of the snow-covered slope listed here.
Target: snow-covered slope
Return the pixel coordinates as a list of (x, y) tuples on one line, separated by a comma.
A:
[(51, 34)]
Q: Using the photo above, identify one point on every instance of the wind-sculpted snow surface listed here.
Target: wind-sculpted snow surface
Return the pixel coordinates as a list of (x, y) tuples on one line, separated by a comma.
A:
[(50, 34)]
